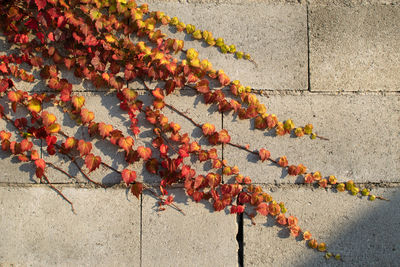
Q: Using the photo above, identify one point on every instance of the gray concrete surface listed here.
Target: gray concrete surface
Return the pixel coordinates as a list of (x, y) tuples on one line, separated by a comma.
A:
[(363, 232), (202, 237), (274, 33), (38, 228), (354, 47), (363, 133)]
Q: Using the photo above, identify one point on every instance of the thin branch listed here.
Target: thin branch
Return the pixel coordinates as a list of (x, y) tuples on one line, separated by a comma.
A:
[(58, 192), (80, 169), (61, 170), (147, 187)]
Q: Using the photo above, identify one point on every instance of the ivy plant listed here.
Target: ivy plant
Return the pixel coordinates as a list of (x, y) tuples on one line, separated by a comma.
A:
[(111, 43)]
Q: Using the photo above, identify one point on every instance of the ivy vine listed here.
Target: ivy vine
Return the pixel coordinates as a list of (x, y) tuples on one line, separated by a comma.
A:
[(111, 43)]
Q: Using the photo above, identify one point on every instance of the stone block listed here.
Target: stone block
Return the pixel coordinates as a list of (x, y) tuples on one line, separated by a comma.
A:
[(361, 231), (362, 130), (38, 227), (354, 46), (274, 33), (202, 237)]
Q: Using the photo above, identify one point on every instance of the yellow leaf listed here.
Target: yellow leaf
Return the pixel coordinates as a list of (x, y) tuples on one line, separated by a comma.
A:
[(110, 38), (35, 105)]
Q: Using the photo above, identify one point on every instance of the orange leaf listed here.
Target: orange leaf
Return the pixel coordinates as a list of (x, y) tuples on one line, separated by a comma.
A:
[(34, 105), (40, 163), (70, 143), (125, 143), (213, 179), (48, 118), (5, 135), (144, 152), (223, 136), (283, 162), (128, 176), (264, 154), (54, 128), (26, 145), (306, 235), (262, 208), (86, 115), (105, 129), (292, 221), (158, 93), (78, 101), (129, 94), (92, 162), (194, 147), (14, 96), (208, 129), (34, 155), (84, 147), (223, 79)]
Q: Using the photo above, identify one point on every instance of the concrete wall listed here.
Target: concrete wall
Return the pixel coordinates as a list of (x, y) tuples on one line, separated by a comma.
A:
[(334, 64)]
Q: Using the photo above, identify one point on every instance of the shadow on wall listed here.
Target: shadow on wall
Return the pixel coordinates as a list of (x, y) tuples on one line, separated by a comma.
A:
[(373, 240)]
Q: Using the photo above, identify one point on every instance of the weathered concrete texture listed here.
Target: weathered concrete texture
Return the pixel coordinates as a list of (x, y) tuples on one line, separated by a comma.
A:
[(354, 47), (365, 233), (363, 133), (201, 238), (38, 228), (193, 106), (273, 33)]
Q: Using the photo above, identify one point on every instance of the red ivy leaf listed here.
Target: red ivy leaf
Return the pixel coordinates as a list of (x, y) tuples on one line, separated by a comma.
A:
[(158, 93), (86, 115), (169, 86), (41, 4), (264, 154), (34, 155), (3, 84), (78, 101), (32, 24), (3, 68), (203, 86), (70, 143), (26, 145), (144, 152), (105, 129), (40, 36), (152, 166), (137, 189), (92, 162), (208, 129), (213, 179), (223, 78), (128, 176), (126, 143), (218, 205), (263, 208), (40, 164), (84, 147), (223, 136)]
